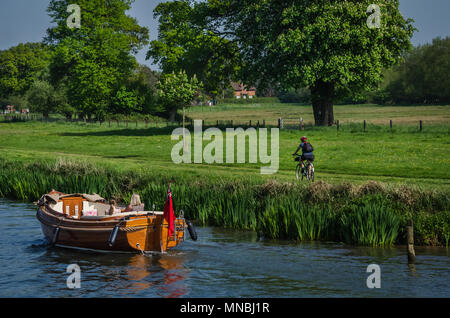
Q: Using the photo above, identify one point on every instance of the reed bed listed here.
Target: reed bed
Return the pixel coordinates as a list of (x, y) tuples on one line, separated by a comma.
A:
[(372, 214)]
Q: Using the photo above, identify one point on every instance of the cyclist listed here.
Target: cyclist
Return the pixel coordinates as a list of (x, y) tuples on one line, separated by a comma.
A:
[(307, 151)]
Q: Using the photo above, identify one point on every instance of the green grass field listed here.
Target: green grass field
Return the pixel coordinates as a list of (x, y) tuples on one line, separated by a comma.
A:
[(401, 156)]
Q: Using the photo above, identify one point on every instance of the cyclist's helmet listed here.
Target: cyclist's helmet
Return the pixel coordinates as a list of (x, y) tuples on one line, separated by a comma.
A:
[(303, 139)]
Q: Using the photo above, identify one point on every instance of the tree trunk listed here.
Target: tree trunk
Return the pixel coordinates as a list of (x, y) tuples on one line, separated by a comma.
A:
[(322, 95), (172, 114)]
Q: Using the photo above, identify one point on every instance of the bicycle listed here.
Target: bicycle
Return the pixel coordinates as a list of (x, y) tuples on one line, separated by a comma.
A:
[(308, 171)]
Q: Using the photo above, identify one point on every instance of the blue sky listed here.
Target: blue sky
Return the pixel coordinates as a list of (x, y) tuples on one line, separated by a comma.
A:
[(27, 20)]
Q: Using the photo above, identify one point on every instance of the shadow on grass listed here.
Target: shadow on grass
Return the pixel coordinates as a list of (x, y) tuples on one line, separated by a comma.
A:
[(126, 132), (122, 157)]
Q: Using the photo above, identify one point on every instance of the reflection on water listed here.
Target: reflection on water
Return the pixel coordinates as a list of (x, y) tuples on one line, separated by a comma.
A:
[(222, 263)]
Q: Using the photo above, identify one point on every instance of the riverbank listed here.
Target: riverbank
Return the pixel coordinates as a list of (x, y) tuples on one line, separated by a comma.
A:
[(372, 213)]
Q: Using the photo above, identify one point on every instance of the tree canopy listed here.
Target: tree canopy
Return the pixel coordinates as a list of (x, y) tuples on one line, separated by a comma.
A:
[(20, 65), (95, 61), (187, 43), (177, 90), (424, 75)]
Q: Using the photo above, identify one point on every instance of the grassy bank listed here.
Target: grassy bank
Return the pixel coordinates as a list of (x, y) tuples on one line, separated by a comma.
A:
[(367, 214)]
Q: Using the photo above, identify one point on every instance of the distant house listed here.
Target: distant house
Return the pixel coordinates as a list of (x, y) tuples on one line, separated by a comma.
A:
[(10, 109), (241, 91)]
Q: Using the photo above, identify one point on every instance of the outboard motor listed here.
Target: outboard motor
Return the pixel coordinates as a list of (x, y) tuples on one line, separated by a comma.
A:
[(191, 230)]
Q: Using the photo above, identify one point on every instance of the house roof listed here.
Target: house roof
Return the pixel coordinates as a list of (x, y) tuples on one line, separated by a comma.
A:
[(241, 87)]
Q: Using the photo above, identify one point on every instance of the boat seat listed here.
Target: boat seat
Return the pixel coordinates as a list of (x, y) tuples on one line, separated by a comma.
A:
[(138, 213), (89, 217), (99, 209)]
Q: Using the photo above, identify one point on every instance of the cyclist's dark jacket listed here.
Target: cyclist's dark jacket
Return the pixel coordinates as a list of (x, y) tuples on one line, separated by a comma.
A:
[(306, 155)]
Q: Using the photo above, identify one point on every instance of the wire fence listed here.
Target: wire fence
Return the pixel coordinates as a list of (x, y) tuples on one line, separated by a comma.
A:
[(281, 123)]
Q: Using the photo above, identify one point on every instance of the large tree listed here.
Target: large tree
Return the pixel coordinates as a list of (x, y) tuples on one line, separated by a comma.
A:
[(188, 41), (94, 61), (326, 45)]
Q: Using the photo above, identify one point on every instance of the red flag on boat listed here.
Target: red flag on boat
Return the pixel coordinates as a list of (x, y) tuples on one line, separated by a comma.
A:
[(169, 216)]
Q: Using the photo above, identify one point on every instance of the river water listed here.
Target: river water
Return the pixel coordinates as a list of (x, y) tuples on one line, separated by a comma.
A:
[(222, 263)]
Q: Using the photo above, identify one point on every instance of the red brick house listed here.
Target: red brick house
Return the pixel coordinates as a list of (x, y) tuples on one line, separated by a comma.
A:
[(241, 91)]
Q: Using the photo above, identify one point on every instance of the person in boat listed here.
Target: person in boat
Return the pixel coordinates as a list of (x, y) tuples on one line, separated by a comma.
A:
[(135, 205), (114, 209)]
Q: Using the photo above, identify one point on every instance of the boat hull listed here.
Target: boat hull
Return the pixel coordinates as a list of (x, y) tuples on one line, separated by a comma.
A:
[(135, 233)]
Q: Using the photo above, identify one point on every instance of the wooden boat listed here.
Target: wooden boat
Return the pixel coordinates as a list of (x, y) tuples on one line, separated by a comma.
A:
[(64, 223)]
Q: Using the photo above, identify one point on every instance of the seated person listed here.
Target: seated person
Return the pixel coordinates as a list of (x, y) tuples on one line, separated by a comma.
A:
[(129, 208), (113, 208), (135, 203)]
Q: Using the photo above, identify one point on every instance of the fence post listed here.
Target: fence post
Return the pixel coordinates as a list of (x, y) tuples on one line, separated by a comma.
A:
[(420, 126), (264, 123), (280, 123), (250, 123), (337, 124), (390, 124), (364, 125), (410, 241)]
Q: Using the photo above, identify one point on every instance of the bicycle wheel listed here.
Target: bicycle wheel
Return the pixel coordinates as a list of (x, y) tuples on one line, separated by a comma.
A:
[(298, 172), (310, 172)]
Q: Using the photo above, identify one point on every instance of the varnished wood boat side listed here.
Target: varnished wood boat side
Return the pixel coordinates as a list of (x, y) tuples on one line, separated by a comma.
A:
[(140, 233)]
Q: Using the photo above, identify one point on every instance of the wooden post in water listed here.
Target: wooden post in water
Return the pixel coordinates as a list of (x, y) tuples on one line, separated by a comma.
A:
[(410, 241)]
